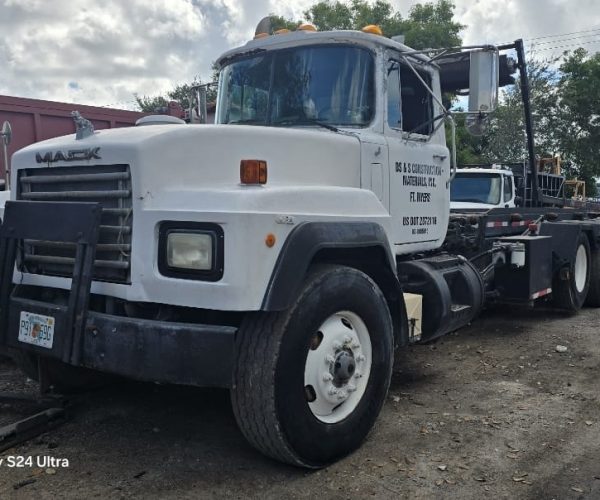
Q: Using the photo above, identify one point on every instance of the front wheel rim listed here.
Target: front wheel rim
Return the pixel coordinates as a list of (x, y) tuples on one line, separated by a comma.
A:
[(338, 366), (581, 268)]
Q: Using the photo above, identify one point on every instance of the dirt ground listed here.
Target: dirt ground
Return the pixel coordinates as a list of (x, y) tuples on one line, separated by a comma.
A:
[(490, 411)]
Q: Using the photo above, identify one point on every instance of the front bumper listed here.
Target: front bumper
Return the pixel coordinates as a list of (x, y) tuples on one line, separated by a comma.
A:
[(141, 349), (159, 351)]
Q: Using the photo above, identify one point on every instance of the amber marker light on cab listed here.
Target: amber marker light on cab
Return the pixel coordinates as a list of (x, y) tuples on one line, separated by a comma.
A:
[(373, 29), (306, 27), (253, 172)]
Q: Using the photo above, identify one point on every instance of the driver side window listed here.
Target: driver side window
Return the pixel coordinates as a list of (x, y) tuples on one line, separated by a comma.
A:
[(409, 103), (507, 188), (394, 115)]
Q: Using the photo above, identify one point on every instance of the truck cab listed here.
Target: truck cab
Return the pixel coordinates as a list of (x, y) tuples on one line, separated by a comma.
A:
[(483, 188), (268, 254), (361, 86)]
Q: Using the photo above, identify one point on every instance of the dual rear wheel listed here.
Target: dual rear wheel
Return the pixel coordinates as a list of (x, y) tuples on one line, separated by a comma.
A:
[(579, 285)]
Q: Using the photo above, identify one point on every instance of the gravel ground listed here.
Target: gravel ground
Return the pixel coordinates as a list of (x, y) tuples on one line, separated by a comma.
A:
[(492, 410)]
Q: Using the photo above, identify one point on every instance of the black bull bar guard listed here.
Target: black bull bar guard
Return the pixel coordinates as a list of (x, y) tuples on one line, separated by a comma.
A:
[(65, 222)]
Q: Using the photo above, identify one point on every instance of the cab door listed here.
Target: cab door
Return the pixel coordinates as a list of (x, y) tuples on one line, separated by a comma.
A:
[(508, 191), (419, 161)]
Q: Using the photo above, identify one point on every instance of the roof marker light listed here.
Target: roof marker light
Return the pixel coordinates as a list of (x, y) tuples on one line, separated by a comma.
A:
[(373, 29), (306, 27), (261, 35), (282, 31)]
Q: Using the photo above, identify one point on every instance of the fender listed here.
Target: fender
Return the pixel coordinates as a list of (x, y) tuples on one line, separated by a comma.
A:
[(564, 241), (309, 238)]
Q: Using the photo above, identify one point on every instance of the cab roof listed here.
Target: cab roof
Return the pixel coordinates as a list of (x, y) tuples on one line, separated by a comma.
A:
[(484, 170), (302, 38)]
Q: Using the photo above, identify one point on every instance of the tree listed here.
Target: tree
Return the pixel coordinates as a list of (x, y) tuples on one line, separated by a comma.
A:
[(577, 127), (505, 138), (150, 104), (432, 25), (565, 104), (469, 149), (180, 93), (278, 23), (429, 25)]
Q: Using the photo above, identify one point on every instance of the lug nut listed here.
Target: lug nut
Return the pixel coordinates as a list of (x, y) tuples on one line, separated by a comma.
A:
[(351, 388), (329, 359), (336, 345), (327, 377), (333, 391), (360, 358)]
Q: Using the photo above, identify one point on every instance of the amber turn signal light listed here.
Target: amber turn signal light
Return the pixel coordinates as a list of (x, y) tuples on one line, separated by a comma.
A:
[(270, 240), (253, 172)]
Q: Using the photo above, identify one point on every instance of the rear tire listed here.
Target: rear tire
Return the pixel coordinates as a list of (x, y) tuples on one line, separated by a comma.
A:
[(570, 294), (593, 297), (284, 400)]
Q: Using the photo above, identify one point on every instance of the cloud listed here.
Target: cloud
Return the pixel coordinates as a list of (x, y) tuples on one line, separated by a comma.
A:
[(112, 50), (116, 48)]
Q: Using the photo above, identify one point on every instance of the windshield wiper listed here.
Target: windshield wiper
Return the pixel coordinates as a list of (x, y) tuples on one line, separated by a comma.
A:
[(247, 121), (308, 121)]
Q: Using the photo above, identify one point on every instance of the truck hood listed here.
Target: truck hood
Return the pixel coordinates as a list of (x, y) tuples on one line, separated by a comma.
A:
[(184, 157)]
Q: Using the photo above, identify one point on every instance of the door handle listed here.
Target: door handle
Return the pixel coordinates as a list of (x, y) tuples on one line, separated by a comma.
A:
[(440, 156)]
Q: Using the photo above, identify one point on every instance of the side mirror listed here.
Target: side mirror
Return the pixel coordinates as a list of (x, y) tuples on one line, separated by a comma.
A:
[(6, 133), (483, 80)]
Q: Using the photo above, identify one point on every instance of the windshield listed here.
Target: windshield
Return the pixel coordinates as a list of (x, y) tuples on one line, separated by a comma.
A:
[(476, 188), (327, 84)]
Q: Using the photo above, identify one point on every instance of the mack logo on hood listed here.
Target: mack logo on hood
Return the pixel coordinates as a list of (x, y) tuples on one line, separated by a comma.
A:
[(71, 155)]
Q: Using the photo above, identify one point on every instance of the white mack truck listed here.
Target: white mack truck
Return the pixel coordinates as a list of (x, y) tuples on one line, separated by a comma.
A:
[(275, 253)]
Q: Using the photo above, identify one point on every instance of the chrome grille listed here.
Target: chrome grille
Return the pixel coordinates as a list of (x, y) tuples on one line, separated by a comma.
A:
[(109, 185)]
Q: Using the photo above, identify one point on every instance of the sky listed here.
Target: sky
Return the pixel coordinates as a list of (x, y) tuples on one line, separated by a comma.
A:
[(101, 53)]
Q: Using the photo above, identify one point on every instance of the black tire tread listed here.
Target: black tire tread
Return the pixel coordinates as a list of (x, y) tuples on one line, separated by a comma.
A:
[(593, 297), (260, 337), (255, 410), (563, 294)]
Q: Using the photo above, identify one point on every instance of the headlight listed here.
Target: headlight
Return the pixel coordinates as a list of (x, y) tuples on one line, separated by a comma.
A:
[(191, 250)]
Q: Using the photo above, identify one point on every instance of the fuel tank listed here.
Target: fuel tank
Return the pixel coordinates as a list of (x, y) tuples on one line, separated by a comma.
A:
[(452, 290)]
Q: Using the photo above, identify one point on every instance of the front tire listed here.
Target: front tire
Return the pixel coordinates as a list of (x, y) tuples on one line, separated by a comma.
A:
[(309, 382)]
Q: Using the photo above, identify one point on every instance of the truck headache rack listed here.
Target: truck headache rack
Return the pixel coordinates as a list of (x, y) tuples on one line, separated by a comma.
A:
[(108, 185), (65, 222)]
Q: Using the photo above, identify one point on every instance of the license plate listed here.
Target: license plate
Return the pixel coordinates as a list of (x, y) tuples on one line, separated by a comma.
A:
[(36, 329)]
